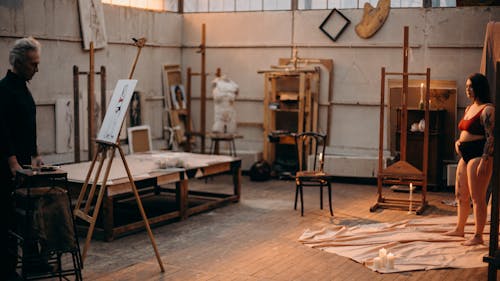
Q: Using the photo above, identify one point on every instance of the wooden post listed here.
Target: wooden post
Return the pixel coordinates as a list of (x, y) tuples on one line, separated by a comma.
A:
[(103, 92), (404, 97), (188, 105), (76, 113), (425, 161), (203, 89), (90, 102), (492, 257), (381, 134)]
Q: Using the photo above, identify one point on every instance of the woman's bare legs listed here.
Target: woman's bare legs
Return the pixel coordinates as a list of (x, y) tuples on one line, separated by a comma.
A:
[(477, 189), (462, 196)]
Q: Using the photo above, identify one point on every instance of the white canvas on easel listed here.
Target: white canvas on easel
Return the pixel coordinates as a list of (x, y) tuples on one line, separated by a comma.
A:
[(118, 105)]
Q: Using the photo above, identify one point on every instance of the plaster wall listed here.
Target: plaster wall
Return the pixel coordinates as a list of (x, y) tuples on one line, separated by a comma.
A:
[(55, 23), (448, 40)]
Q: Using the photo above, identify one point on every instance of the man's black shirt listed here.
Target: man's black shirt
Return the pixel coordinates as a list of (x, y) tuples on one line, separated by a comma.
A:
[(17, 122)]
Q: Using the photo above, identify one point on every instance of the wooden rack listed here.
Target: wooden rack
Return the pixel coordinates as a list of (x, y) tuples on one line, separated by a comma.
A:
[(291, 101)]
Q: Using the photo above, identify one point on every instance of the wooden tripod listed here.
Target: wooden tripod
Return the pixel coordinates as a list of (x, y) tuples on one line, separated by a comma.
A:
[(403, 172), (105, 148)]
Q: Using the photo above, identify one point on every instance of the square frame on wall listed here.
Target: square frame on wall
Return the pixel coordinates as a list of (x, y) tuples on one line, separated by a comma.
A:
[(334, 24)]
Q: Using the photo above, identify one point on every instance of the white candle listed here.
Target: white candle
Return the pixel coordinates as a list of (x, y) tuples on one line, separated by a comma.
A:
[(411, 198), (382, 254), (390, 261), (421, 92), (377, 263), (321, 156)]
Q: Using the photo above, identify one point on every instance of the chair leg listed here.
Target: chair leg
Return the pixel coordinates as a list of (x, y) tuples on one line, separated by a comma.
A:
[(321, 196), (234, 148), (296, 196), (301, 201), (330, 198)]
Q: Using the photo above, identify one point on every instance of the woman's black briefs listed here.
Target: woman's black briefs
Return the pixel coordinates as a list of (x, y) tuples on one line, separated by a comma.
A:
[(471, 149)]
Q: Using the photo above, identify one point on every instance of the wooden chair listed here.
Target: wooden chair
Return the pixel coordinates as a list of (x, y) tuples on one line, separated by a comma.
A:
[(139, 139), (311, 174)]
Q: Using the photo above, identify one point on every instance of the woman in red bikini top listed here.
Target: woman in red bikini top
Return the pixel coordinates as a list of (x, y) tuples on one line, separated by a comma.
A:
[(475, 147)]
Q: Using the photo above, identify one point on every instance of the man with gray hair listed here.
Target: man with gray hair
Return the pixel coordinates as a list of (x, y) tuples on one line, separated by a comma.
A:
[(18, 144)]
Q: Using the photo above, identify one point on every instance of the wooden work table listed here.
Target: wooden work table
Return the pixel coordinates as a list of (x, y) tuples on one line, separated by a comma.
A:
[(150, 180)]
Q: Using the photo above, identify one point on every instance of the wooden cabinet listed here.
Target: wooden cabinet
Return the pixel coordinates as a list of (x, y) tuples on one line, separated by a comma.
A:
[(290, 106), (415, 142)]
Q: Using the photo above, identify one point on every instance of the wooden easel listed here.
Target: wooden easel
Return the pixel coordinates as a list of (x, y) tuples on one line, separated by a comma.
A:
[(298, 62), (90, 101), (203, 94), (100, 156), (403, 172)]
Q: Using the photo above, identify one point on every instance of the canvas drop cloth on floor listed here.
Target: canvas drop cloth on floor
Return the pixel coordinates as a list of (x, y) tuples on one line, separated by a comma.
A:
[(418, 244)]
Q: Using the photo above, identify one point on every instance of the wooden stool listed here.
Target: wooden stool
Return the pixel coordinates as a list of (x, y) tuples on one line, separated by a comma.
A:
[(47, 221), (216, 138)]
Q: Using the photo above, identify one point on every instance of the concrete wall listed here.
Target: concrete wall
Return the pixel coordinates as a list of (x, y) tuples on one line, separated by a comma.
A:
[(448, 40), (56, 24)]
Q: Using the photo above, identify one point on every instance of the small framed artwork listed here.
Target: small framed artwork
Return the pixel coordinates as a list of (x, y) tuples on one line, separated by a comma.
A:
[(178, 97), (135, 110), (334, 24)]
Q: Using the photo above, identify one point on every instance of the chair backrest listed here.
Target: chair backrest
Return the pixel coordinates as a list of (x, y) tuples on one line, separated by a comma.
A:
[(310, 143), (139, 139)]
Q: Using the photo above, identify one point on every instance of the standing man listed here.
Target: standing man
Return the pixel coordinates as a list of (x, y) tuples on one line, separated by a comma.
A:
[(18, 144)]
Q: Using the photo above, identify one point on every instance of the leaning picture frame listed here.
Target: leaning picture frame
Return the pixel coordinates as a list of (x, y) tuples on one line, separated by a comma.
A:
[(178, 96)]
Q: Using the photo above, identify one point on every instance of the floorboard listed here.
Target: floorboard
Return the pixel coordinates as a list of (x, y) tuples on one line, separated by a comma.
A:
[(256, 239)]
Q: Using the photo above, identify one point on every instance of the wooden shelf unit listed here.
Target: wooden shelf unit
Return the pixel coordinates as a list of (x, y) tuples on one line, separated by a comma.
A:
[(291, 101)]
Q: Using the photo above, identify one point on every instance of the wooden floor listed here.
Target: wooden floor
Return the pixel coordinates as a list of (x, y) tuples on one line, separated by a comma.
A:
[(256, 239)]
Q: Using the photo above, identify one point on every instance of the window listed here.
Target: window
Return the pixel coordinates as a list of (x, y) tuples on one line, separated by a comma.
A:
[(157, 5), (200, 6), (350, 4)]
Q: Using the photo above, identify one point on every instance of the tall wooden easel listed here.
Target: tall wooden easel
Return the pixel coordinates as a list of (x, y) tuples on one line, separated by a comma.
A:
[(403, 172), (90, 101), (203, 94), (104, 149)]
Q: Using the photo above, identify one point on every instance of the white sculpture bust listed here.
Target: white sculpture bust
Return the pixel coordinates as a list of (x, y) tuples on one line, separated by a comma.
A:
[(224, 94)]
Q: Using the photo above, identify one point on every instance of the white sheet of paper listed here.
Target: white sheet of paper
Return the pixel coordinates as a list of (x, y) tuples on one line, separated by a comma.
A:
[(115, 113)]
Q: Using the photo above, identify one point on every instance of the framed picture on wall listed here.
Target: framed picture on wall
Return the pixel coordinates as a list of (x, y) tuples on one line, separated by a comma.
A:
[(178, 97)]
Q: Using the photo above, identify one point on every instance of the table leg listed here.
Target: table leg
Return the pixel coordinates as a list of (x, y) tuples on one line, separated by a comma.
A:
[(108, 218), (181, 194), (237, 181)]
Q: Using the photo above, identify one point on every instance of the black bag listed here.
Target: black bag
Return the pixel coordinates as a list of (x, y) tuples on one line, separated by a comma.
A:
[(260, 171)]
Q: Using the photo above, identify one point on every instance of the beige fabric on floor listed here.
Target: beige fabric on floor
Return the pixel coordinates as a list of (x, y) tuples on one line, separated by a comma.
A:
[(418, 244)]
